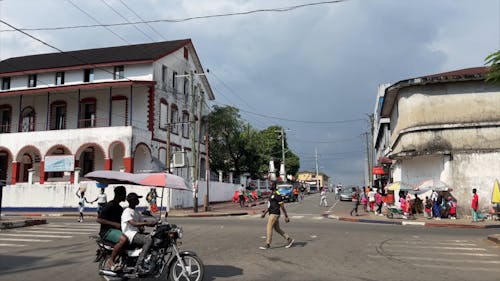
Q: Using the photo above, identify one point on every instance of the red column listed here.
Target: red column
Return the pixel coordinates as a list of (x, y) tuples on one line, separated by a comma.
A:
[(128, 163), (42, 172), (108, 164), (15, 172)]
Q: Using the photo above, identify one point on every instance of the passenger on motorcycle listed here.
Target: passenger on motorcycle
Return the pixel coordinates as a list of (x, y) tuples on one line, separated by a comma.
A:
[(131, 221), (110, 219)]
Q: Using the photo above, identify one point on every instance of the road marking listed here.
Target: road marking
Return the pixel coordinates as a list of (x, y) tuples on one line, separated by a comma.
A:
[(318, 218), (35, 235), (52, 232), (447, 268), (24, 240), (297, 217), (437, 253), (63, 229), (437, 247), (11, 245), (436, 259), (429, 243)]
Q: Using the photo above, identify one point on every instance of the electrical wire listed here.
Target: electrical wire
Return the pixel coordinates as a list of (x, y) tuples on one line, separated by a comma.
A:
[(268, 10), (124, 18)]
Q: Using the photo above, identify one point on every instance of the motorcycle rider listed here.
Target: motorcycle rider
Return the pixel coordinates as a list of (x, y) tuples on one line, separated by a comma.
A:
[(131, 221), (110, 219)]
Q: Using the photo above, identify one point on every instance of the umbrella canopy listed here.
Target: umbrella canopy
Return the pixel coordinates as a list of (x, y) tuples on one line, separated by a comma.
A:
[(164, 180), (399, 186), (434, 184), (495, 196), (418, 191)]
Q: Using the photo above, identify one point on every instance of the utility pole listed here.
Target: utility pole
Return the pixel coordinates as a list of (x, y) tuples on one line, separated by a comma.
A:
[(368, 166), (317, 170), (283, 160)]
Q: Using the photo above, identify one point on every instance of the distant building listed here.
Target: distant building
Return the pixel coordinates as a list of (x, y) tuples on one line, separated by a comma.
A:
[(106, 108), (310, 178), (444, 126)]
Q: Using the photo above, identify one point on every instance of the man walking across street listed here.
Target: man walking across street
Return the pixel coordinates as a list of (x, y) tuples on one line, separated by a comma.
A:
[(241, 195), (274, 205)]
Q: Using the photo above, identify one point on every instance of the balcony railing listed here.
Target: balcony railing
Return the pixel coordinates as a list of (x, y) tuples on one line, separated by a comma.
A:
[(43, 126)]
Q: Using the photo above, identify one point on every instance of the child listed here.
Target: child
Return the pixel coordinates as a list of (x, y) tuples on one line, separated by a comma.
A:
[(81, 204), (428, 207), (452, 206)]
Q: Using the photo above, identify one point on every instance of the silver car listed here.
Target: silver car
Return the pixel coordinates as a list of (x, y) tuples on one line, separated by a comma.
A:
[(346, 194)]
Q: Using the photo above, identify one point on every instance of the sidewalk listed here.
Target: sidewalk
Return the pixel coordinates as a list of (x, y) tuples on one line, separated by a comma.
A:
[(341, 212), (219, 209)]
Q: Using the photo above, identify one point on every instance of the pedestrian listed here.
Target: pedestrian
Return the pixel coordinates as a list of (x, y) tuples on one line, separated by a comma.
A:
[(131, 221), (323, 198), (151, 199), (275, 205), (371, 199), (241, 195), (436, 212), (101, 200), (452, 208), (302, 190), (81, 204), (476, 216), (296, 192), (364, 201), (110, 220), (355, 200), (428, 208), (379, 200)]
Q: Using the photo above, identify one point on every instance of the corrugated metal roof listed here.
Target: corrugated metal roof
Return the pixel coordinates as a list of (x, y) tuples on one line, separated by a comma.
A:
[(129, 53)]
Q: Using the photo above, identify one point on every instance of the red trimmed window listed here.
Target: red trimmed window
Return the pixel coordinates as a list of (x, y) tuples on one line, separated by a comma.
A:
[(58, 115), (27, 123), (88, 113), (163, 114), (185, 124), (5, 118), (174, 119)]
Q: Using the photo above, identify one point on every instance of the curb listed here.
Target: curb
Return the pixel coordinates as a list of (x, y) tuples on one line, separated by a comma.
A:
[(408, 223), (22, 223)]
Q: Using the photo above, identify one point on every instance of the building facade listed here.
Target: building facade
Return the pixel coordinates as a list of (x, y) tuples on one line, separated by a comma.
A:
[(65, 114), (446, 127), (312, 179)]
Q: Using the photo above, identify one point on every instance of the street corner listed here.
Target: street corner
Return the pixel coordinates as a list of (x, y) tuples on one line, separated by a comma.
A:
[(21, 223), (494, 238)]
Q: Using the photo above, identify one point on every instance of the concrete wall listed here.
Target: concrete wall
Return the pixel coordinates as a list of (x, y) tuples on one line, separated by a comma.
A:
[(61, 195)]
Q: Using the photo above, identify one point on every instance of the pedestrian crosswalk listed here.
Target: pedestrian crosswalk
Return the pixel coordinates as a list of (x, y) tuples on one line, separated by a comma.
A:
[(457, 255), (27, 236)]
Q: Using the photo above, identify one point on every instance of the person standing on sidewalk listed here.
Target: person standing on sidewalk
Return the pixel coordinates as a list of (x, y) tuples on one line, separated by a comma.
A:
[(274, 207), (379, 201), (101, 200), (371, 199), (241, 195), (476, 216), (355, 200)]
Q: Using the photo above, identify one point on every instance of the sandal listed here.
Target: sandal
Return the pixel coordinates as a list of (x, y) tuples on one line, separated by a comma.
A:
[(116, 267)]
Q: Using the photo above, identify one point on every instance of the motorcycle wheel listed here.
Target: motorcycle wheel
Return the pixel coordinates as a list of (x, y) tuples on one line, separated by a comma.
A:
[(194, 268)]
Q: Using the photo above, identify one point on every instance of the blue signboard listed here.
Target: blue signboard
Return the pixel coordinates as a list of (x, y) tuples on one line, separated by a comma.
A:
[(59, 163)]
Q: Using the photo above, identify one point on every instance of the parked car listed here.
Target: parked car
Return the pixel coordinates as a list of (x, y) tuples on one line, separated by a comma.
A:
[(286, 191), (346, 194)]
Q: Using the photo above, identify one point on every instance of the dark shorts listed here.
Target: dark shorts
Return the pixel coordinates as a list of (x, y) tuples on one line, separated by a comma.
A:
[(112, 235)]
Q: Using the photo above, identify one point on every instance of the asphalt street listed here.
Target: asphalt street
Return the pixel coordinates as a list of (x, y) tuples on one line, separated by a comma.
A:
[(325, 249)]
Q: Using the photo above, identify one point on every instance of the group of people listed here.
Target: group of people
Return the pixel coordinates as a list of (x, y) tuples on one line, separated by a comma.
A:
[(440, 206), (369, 198)]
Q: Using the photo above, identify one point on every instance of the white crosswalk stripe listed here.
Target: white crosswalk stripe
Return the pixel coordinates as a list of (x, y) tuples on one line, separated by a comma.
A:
[(292, 217), (11, 238), (445, 254)]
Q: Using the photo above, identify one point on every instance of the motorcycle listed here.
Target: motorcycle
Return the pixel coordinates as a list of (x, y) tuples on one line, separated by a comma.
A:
[(164, 256)]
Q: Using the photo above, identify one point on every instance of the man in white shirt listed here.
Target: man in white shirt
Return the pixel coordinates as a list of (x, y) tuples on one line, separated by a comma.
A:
[(101, 200), (132, 220)]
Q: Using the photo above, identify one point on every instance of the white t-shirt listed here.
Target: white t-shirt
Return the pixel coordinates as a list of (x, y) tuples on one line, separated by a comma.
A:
[(128, 229), (101, 198), (371, 196)]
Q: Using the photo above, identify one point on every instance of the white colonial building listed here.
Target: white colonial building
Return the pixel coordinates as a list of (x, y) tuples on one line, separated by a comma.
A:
[(106, 108), (444, 126)]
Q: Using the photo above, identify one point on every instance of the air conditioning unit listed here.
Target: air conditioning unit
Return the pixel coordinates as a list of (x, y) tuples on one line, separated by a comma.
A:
[(179, 159)]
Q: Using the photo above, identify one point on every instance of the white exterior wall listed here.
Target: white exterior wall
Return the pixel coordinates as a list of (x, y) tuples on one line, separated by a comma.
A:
[(62, 195)]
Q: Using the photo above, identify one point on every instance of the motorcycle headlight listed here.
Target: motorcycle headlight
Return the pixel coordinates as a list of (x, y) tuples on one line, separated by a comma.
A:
[(176, 233), (180, 232)]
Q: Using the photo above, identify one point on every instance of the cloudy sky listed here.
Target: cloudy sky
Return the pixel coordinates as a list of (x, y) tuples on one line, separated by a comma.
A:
[(313, 70)]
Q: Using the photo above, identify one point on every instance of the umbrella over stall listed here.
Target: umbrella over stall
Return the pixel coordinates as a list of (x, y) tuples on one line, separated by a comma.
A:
[(434, 184), (399, 186), (495, 196)]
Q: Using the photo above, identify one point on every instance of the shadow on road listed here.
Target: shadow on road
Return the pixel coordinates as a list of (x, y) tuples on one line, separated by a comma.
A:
[(214, 271)]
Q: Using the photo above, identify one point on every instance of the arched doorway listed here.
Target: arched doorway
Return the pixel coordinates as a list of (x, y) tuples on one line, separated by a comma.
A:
[(142, 159), (90, 158), (5, 160), (116, 154), (28, 158)]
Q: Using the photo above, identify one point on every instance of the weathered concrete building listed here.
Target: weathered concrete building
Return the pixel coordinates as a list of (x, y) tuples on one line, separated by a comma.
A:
[(447, 127)]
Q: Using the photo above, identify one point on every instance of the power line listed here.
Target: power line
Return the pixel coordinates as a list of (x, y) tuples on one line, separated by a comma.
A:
[(137, 15), (120, 15), (269, 10), (99, 23)]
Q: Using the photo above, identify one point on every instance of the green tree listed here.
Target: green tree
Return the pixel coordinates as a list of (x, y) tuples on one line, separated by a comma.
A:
[(494, 73), (272, 150)]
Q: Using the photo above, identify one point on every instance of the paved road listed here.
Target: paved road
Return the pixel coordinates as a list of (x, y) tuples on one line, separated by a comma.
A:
[(324, 250)]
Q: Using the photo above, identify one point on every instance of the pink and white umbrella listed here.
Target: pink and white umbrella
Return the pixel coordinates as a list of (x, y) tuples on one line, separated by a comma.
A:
[(164, 180)]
